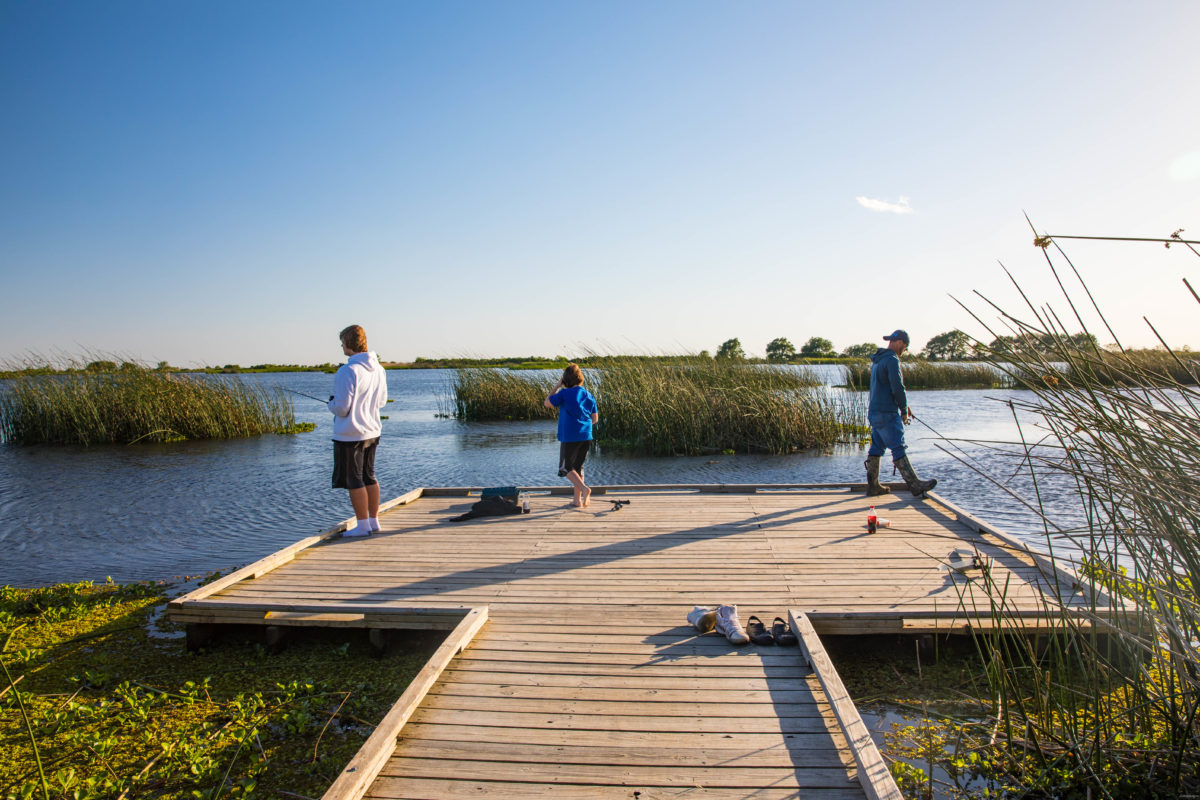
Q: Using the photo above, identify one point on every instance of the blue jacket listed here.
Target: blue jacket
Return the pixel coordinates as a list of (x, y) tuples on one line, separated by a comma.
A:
[(887, 384)]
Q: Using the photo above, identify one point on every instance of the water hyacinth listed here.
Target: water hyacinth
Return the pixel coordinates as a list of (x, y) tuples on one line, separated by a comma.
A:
[(689, 407), (135, 404)]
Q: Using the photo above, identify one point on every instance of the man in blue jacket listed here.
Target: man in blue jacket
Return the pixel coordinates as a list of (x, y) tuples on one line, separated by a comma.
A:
[(888, 413)]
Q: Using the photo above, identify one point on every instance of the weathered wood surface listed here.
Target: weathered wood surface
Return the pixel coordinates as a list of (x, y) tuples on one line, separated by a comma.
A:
[(587, 681)]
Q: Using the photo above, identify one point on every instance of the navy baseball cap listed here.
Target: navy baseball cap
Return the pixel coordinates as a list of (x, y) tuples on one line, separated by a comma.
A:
[(898, 334)]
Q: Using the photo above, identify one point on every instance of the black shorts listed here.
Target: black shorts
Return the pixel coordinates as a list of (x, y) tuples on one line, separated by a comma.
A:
[(354, 464), (571, 456)]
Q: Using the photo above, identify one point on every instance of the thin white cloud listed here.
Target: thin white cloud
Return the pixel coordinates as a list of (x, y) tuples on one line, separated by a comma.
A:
[(883, 205)]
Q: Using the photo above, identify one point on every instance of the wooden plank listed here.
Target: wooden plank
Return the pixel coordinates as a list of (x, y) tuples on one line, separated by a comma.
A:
[(687, 757), (451, 789), (873, 773), (265, 565), (354, 779), (832, 777)]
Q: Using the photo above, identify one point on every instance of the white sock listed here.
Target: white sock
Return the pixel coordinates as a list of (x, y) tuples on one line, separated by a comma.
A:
[(373, 523), (361, 529)]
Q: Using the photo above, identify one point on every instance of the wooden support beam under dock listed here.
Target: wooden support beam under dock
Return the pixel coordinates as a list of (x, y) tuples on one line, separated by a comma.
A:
[(586, 681)]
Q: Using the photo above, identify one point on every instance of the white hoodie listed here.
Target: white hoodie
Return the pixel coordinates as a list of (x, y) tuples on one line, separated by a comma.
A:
[(359, 391)]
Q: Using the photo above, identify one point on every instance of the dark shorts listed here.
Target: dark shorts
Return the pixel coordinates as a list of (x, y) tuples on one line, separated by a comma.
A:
[(571, 456), (354, 464)]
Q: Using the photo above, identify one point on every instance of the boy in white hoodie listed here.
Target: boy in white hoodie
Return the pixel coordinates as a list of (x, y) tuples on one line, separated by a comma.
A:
[(359, 392)]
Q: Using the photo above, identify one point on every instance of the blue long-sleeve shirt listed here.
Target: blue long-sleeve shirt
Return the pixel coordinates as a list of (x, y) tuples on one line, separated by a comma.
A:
[(887, 384)]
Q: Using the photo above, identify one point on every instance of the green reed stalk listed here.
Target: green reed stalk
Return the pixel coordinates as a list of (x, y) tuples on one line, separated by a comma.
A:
[(1113, 708), (137, 404)]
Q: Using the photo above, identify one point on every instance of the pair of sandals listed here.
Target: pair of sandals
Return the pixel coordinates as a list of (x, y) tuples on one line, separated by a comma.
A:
[(779, 634)]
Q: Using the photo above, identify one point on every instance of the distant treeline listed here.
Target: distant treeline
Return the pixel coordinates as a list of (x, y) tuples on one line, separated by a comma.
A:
[(107, 367)]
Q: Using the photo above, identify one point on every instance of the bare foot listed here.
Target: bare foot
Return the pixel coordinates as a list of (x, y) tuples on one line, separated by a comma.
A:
[(586, 494)]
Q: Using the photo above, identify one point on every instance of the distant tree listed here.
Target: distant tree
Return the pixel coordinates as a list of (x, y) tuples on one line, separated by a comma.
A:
[(865, 350), (102, 366), (1087, 341), (705, 354), (780, 350), (949, 346), (731, 349), (817, 347), (163, 366)]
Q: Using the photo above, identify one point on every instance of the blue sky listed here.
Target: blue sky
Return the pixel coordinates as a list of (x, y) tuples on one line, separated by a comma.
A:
[(221, 182)]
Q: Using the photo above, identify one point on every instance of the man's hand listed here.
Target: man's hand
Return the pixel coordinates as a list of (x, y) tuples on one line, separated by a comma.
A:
[(908, 415)]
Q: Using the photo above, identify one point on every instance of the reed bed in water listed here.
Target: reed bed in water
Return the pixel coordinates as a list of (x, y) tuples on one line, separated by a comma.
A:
[(135, 404), (1114, 715), (691, 408), (714, 406), (478, 394), (929, 375)]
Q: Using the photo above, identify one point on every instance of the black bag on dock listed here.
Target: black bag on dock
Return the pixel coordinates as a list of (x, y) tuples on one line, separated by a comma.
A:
[(490, 506)]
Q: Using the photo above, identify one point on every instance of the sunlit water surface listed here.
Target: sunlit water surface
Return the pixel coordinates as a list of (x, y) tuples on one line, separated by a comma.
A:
[(160, 511)]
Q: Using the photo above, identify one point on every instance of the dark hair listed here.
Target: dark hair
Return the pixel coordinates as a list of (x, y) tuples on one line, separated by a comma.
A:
[(572, 376), (355, 338)]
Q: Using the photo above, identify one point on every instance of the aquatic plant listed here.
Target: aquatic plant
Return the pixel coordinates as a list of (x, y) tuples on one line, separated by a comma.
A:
[(928, 375), (688, 406), (1108, 705), (94, 707), (137, 404), (719, 405), (477, 394)]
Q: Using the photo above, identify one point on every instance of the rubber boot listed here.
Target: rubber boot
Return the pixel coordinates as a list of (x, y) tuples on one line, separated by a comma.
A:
[(915, 485), (874, 487)]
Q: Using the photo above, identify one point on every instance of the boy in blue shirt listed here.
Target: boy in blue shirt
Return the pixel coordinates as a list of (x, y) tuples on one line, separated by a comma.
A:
[(577, 413)]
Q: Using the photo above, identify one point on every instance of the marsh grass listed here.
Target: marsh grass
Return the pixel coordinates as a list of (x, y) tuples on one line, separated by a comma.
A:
[(478, 394), (930, 375), (686, 407), (1104, 711), (96, 708), (136, 404)]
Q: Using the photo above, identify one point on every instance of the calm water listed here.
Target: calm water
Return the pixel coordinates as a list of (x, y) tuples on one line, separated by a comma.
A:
[(162, 511)]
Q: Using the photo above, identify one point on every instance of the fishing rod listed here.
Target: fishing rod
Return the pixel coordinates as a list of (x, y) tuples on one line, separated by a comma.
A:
[(309, 396)]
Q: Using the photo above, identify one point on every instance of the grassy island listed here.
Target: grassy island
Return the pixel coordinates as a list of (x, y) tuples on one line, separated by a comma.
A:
[(136, 404), (686, 407)]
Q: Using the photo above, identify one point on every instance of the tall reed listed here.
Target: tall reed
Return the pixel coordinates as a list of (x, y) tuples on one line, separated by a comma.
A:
[(477, 394), (1107, 710), (928, 375), (135, 404), (698, 406)]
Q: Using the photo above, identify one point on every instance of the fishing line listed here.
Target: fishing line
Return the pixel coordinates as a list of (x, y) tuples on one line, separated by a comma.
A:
[(963, 458), (309, 396)]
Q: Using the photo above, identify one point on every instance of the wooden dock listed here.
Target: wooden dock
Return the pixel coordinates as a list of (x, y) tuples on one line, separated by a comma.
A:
[(570, 670)]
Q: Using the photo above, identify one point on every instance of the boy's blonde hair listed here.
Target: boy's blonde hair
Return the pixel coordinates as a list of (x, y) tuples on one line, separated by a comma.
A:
[(355, 338), (572, 376)]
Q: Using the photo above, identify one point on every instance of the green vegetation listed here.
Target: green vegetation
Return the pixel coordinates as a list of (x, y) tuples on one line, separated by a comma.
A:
[(1114, 715), (682, 408), (949, 346), (927, 375), (1157, 367), (731, 349), (136, 404), (478, 394), (780, 350), (818, 347), (94, 707)]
